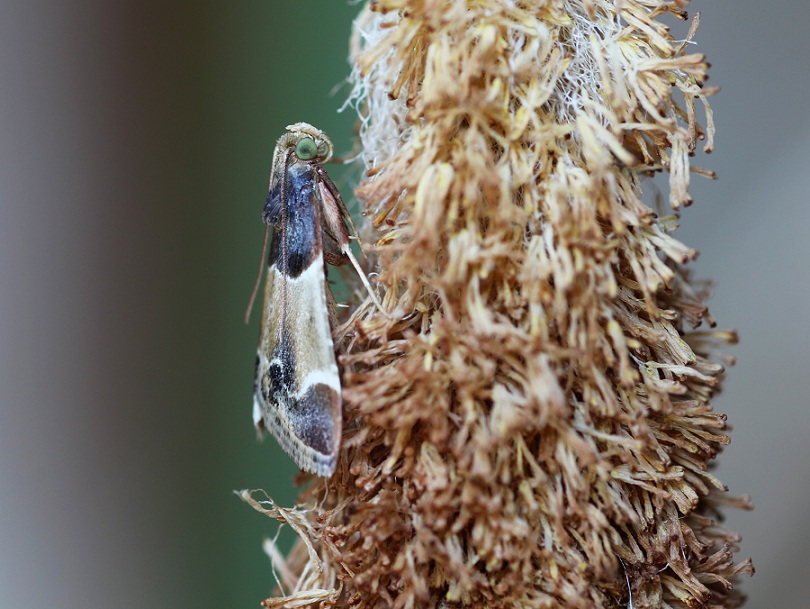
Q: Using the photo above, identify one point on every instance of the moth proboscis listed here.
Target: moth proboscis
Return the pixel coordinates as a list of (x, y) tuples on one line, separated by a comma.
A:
[(297, 387)]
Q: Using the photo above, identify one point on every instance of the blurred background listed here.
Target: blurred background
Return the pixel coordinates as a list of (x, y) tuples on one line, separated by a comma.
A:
[(135, 147)]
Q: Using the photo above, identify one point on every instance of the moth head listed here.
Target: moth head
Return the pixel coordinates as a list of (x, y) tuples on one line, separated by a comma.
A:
[(311, 144)]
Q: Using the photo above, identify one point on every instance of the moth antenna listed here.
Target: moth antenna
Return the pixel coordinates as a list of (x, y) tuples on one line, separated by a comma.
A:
[(348, 251), (259, 277)]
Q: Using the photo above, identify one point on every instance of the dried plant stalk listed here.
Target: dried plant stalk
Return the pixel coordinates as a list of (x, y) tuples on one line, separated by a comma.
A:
[(535, 429)]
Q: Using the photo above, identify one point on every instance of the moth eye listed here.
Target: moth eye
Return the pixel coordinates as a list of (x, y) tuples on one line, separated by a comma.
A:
[(306, 149)]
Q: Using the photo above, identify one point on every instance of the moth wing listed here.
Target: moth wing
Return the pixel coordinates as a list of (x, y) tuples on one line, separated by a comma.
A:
[(271, 214), (297, 391)]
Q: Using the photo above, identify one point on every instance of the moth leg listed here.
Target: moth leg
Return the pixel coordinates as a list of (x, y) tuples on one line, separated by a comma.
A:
[(333, 193), (334, 215), (332, 252), (335, 259)]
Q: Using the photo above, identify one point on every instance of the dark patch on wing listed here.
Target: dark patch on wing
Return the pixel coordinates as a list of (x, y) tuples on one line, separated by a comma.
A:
[(271, 214), (314, 418), (302, 223), (282, 367)]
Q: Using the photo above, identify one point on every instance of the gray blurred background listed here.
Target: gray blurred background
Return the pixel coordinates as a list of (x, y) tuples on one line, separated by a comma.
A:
[(135, 146)]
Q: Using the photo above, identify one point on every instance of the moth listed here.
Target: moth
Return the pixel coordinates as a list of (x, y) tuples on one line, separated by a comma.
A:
[(297, 387)]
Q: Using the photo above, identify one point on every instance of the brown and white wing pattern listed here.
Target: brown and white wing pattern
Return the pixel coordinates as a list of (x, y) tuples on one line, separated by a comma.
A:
[(297, 388)]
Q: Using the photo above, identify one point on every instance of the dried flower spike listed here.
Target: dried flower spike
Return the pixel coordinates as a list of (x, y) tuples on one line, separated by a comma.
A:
[(536, 430)]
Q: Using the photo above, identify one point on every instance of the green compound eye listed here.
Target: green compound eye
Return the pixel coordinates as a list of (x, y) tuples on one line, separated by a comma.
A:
[(306, 149)]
